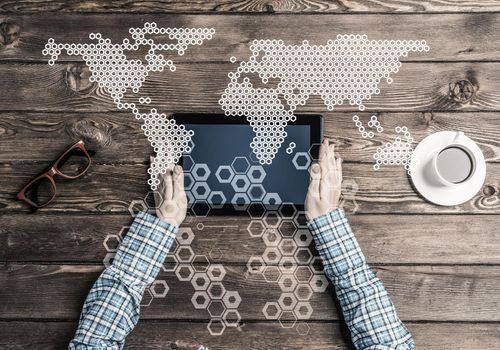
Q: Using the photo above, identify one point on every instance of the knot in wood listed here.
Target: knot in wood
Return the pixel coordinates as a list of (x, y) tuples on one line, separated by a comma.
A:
[(77, 78), (9, 34), (96, 135), (462, 91), (489, 190)]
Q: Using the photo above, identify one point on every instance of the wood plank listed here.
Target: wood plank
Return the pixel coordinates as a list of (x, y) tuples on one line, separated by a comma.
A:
[(25, 36), (260, 335), (247, 6), (384, 239), (197, 87), (420, 293), (111, 188), (117, 137)]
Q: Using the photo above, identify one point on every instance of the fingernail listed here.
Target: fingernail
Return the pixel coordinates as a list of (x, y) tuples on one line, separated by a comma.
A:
[(178, 169), (315, 168)]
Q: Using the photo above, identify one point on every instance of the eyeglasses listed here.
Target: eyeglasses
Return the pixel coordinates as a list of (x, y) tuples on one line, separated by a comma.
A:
[(71, 165)]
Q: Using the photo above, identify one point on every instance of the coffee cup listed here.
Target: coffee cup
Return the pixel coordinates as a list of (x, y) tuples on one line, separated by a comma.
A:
[(452, 164)]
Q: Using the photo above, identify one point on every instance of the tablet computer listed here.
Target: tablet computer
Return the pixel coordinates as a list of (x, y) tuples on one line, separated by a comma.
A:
[(224, 176)]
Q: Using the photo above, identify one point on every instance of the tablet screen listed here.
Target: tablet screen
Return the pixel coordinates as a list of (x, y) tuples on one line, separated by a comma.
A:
[(222, 170)]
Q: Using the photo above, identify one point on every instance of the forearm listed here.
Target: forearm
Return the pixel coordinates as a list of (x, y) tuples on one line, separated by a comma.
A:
[(368, 310), (111, 309)]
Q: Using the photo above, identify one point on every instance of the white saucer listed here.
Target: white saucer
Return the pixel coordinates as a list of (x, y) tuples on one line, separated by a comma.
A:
[(438, 193)]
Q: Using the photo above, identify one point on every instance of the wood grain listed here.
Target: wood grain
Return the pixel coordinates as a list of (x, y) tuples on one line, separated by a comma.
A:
[(117, 137), (197, 87), (111, 188), (247, 6), (25, 36), (460, 239), (259, 335), (430, 293)]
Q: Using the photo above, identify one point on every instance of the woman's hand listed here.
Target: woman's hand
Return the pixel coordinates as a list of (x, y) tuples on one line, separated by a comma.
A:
[(325, 184), (172, 206)]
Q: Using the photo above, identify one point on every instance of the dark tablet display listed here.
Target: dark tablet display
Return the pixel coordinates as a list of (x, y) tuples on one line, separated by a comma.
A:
[(222, 175)]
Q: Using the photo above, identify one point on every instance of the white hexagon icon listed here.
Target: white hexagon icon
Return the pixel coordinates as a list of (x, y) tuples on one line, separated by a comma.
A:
[(271, 255), (287, 210), (287, 246), (240, 183), (200, 300), (170, 264), (224, 174), (256, 265), (271, 310), (159, 288), (303, 292), (232, 318), (287, 301), (185, 235), (256, 174), (150, 199), (216, 326), (256, 228), (271, 237), (201, 172), (316, 265), (216, 272), (303, 310), (303, 256), (200, 281), (187, 163), (301, 160), (256, 192), (287, 264), (200, 263), (201, 190), (111, 243), (240, 201), (318, 283), (217, 199), (108, 259), (272, 219), (147, 298), (288, 319), (184, 272), (303, 237), (272, 201), (123, 231), (216, 290), (240, 165), (232, 299), (184, 254), (272, 274), (189, 181)]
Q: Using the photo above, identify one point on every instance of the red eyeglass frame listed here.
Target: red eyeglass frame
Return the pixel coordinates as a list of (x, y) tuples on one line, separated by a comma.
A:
[(53, 171)]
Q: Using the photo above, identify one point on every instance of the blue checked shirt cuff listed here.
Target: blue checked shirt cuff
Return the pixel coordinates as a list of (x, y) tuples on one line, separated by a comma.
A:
[(144, 249), (368, 311)]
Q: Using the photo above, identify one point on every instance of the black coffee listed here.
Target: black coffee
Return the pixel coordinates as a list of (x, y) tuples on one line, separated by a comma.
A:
[(454, 164)]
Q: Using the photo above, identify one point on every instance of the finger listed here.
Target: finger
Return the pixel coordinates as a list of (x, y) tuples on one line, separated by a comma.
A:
[(156, 194), (339, 168), (178, 182), (167, 179), (314, 181), (323, 151)]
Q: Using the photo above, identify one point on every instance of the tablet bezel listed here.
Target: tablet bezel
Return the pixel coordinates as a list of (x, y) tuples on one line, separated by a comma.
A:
[(315, 121)]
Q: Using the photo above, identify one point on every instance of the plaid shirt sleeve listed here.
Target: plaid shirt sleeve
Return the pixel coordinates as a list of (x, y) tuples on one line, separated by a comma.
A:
[(111, 309), (367, 308)]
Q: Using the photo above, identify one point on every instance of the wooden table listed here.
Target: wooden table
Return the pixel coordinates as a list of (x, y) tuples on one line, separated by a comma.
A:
[(441, 265)]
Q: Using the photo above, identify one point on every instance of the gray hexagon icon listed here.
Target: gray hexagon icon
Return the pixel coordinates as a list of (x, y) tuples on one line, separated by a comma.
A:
[(170, 264), (272, 219), (287, 264), (200, 281), (288, 319), (232, 318), (200, 208), (159, 288), (240, 201), (271, 237), (108, 259), (187, 163), (271, 310), (303, 237), (256, 174), (201, 190), (303, 310), (318, 283), (303, 328), (301, 160), (150, 199), (185, 235), (200, 263), (303, 292), (287, 283), (224, 174), (303, 274), (232, 299), (272, 201), (287, 301), (287, 246), (184, 272), (216, 272), (217, 199), (136, 206), (216, 290), (216, 326), (272, 274), (288, 210), (256, 192), (303, 256), (240, 165), (184, 254), (316, 265), (189, 181), (147, 298), (123, 231), (200, 300), (215, 253), (240, 183), (200, 172), (271, 255), (256, 228)]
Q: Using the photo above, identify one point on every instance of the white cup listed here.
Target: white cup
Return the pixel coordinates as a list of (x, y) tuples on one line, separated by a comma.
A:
[(452, 164)]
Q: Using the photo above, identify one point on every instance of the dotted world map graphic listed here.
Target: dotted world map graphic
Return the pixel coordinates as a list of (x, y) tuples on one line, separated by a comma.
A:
[(347, 69)]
